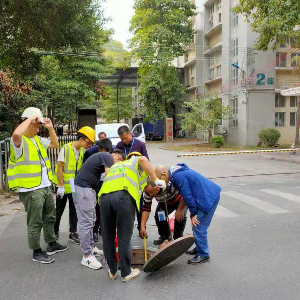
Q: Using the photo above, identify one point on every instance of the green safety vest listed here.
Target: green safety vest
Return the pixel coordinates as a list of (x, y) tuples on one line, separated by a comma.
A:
[(71, 166), (126, 176), (26, 171)]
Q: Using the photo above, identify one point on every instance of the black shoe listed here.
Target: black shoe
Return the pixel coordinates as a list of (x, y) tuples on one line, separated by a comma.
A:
[(73, 237), (42, 258), (161, 240), (95, 236), (198, 260), (55, 248), (192, 252), (57, 236)]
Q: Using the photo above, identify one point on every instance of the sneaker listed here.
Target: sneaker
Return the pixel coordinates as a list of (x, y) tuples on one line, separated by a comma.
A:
[(55, 248), (160, 240), (112, 276), (91, 262), (97, 251), (134, 273), (192, 252), (42, 258), (73, 237), (57, 236), (95, 237), (198, 260)]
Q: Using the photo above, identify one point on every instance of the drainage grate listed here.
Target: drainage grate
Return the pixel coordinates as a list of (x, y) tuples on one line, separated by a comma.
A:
[(15, 201)]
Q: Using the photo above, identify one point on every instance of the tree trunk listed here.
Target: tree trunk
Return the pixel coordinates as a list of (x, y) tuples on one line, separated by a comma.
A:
[(297, 122), (209, 135)]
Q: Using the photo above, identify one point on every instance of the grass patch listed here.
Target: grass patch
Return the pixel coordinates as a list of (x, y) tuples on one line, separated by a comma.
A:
[(210, 148)]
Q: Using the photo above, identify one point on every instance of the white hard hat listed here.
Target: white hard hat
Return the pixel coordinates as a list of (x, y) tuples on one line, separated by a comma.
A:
[(32, 111)]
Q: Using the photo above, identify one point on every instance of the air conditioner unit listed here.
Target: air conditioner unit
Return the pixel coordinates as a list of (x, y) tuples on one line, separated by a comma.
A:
[(221, 129)]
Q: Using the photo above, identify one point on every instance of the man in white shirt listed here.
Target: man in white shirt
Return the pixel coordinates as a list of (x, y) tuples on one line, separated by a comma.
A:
[(30, 173)]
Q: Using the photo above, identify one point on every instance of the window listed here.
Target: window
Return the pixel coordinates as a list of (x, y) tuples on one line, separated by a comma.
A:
[(218, 58), (235, 47), (234, 74), (234, 19), (279, 119), (294, 43), (295, 59), (211, 74), (219, 71), (293, 101), (281, 60), (211, 61), (193, 81), (293, 116), (220, 17), (192, 70), (212, 9), (219, 4), (234, 122), (234, 105), (279, 100)]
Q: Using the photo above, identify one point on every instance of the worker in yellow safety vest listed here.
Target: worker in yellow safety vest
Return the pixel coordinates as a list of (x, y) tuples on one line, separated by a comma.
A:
[(29, 172), (69, 162), (120, 194)]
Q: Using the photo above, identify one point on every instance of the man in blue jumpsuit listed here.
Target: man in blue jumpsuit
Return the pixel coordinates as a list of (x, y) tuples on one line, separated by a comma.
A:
[(201, 197)]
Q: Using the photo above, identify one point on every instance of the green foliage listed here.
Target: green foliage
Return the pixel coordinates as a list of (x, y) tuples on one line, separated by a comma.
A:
[(160, 90), (115, 52), (162, 29), (48, 25), (110, 106), (204, 114), (218, 141), (269, 136), (272, 20)]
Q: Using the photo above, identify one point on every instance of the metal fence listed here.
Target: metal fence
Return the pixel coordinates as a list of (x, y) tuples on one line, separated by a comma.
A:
[(5, 152)]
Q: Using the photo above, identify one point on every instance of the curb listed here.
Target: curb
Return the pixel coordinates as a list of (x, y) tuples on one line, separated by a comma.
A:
[(237, 152)]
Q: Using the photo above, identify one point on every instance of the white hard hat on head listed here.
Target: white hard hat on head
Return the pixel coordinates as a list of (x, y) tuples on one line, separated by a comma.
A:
[(32, 111)]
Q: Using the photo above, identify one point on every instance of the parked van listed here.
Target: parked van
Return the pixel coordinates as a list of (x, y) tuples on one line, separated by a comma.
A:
[(111, 130)]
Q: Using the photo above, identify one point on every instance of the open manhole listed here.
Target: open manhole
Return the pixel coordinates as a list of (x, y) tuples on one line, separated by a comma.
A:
[(138, 256)]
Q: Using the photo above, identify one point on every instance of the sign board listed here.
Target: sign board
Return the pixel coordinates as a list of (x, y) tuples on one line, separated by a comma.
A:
[(169, 130)]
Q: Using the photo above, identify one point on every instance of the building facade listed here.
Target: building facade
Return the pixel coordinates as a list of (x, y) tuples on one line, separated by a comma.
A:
[(222, 59)]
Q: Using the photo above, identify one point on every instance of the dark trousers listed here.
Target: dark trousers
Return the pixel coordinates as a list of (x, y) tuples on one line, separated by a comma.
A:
[(117, 215), (60, 207), (163, 227), (139, 213)]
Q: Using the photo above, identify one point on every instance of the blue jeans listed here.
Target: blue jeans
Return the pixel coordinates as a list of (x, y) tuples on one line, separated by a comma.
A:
[(200, 231)]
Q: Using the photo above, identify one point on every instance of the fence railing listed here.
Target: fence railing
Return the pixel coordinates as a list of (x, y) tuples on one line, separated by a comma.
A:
[(5, 152)]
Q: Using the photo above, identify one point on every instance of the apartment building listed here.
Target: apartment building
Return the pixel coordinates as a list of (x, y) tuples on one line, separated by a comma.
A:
[(223, 60)]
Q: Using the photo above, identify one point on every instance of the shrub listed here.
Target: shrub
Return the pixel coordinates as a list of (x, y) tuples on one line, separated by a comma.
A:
[(269, 136), (217, 141)]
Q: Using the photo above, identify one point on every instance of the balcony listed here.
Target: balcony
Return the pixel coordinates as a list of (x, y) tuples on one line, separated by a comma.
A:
[(214, 29), (211, 81), (216, 47)]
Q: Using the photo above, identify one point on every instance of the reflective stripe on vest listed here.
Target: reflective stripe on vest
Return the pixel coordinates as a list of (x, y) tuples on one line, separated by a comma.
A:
[(125, 176), (70, 168), (26, 171)]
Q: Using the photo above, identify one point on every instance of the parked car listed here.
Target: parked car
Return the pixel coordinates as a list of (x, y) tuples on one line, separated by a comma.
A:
[(111, 130)]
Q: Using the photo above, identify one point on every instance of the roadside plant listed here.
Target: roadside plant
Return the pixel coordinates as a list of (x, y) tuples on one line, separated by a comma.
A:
[(218, 141), (269, 136)]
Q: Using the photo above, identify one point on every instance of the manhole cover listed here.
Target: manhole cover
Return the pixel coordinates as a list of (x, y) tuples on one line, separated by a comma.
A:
[(15, 201), (168, 253)]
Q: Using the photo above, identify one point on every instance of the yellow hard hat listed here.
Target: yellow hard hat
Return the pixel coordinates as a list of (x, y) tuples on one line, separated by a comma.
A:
[(133, 154), (89, 132)]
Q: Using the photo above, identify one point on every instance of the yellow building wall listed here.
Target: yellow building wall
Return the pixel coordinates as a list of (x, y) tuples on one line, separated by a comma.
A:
[(215, 87), (215, 39), (287, 78), (287, 132)]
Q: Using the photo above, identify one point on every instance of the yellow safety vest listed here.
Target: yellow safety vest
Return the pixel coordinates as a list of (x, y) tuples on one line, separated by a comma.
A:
[(126, 176), (71, 166), (26, 171)]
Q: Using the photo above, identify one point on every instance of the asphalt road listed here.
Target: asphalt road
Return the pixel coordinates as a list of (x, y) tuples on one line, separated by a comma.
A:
[(254, 242)]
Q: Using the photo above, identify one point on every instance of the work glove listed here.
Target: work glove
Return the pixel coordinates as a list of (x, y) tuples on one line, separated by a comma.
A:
[(160, 183), (60, 191)]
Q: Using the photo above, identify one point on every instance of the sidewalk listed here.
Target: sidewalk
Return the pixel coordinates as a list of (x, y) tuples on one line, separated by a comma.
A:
[(287, 157)]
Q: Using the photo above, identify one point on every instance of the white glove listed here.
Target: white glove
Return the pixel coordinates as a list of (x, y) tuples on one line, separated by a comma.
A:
[(160, 183), (60, 191)]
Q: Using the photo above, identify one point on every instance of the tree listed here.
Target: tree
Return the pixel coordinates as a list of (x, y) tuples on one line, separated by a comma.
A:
[(47, 25), (162, 31), (114, 111), (204, 114), (115, 52), (273, 20)]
